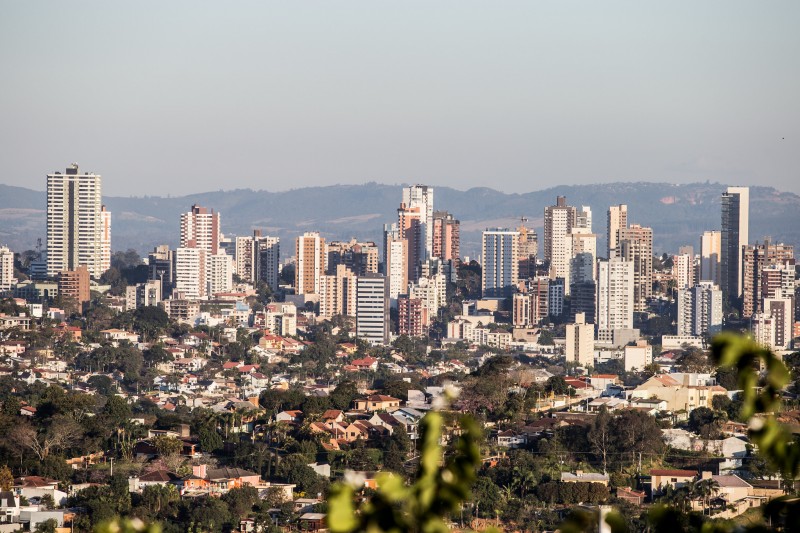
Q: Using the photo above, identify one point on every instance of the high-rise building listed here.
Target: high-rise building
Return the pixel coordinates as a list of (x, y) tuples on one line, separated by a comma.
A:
[(6, 269), (700, 309), (269, 261), (556, 292), (559, 220), (782, 312), (200, 228), (617, 220), (583, 218), (583, 256), (421, 197), (337, 295), (778, 280), (360, 257), (372, 309), (161, 267), (636, 246), (755, 258), (432, 291), (527, 250), (683, 270), (191, 273), (395, 261), (710, 254), (73, 286), (446, 236), (219, 276), (734, 237), (583, 299), (412, 316), (246, 257), (310, 266), (580, 342), (499, 261), (105, 239), (615, 303), (74, 222)]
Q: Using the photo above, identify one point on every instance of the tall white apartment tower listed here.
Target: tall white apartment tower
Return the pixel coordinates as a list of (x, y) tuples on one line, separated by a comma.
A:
[(372, 309), (710, 254), (200, 229), (500, 268), (269, 260), (105, 241), (559, 220), (614, 297), (395, 259), (421, 196), (735, 235), (6, 269), (74, 222), (617, 220)]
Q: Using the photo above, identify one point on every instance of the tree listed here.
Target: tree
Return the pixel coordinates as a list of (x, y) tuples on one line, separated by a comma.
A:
[(167, 445), (600, 436), (59, 436), (240, 501), (6, 479), (157, 497), (210, 440), (117, 410), (343, 395), (47, 526)]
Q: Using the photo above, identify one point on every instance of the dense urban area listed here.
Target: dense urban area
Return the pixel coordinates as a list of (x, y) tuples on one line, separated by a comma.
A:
[(229, 383)]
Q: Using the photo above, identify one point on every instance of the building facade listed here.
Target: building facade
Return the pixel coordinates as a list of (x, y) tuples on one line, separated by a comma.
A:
[(75, 222)]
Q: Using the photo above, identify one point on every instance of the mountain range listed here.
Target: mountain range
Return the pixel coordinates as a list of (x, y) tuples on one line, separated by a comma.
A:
[(678, 214)]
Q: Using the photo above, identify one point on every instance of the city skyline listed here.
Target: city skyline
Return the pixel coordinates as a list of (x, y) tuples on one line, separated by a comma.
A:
[(275, 96)]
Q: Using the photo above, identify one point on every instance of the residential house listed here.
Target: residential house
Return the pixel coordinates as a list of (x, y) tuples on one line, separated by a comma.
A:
[(660, 479), (377, 402), (584, 477)]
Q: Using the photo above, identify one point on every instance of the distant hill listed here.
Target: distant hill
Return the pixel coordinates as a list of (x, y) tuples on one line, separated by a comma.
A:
[(677, 213)]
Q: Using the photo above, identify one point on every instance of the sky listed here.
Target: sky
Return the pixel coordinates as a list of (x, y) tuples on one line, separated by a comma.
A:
[(189, 96)]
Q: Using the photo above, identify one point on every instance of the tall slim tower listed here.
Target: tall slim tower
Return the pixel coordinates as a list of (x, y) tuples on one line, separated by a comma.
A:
[(614, 297), (310, 266), (421, 196), (735, 235), (636, 246), (105, 241), (200, 229), (74, 222), (617, 219), (710, 253), (559, 220), (500, 263)]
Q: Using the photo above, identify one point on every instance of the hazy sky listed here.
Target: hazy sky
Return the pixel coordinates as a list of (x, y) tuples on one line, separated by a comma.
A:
[(177, 97)]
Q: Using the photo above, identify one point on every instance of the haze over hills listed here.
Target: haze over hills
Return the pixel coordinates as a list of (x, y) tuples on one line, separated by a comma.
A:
[(677, 213)]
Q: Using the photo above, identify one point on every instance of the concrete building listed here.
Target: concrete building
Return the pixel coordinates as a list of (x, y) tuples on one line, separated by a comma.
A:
[(412, 316), (710, 255), (700, 310), (360, 257), (774, 326), (617, 219), (337, 293), (556, 291), (615, 303), (200, 228), (559, 220), (161, 267), (73, 286), (105, 239), (637, 357), (446, 236), (734, 236), (310, 265), (395, 261), (420, 197), (372, 309), (527, 251), (190, 272), (219, 273), (636, 246), (269, 261), (246, 257), (683, 270), (148, 293), (75, 222), (6, 269), (499, 261), (580, 342), (755, 259)]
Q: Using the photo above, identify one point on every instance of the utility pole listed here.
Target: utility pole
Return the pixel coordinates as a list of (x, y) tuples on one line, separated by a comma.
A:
[(112, 467)]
